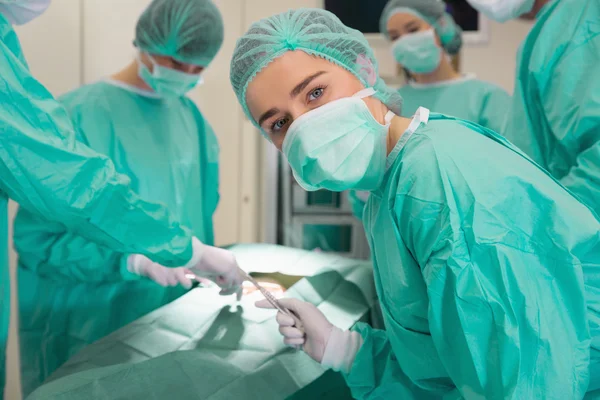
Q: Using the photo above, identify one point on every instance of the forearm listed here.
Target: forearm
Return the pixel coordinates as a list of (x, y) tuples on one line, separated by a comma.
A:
[(46, 171)]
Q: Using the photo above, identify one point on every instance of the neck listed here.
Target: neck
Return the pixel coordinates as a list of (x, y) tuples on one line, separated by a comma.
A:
[(129, 75), (537, 7), (397, 128), (444, 72)]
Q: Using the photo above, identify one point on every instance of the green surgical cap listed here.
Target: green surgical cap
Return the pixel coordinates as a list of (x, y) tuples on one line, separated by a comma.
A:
[(431, 11), (190, 31), (316, 32)]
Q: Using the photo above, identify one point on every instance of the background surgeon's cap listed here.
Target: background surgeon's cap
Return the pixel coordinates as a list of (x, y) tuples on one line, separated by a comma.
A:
[(431, 11), (316, 32), (190, 31)]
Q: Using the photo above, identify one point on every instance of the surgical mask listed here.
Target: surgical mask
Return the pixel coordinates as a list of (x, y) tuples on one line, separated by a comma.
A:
[(418, 52), (502, 10), (19, 12), (338, 146), (167, 82)]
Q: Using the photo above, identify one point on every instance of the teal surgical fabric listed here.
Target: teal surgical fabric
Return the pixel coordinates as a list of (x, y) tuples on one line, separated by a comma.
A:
[(190, 31), (73, 291), (555, 114), (466, 98), (487, 271), (46, 171), (202, 346), (317, 32)]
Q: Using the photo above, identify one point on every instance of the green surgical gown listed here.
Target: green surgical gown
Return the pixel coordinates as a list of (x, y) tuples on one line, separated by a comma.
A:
[(466, 98), (487, 272), (73, 291), (44, 169), (555, 114)]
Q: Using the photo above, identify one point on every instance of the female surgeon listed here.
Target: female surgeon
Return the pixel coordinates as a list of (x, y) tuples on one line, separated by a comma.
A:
[(487, 269), (423, 36), (46, 171)]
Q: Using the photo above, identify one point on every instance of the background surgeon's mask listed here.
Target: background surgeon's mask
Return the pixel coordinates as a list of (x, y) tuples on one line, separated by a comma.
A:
[(338, 146), (20, 12), (502, 10), (167, 82), (418, 52)]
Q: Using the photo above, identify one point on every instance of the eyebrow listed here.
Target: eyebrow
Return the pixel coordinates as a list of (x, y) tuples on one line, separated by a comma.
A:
[(302, 85), (411, 24), (267, 115), (295, 92)]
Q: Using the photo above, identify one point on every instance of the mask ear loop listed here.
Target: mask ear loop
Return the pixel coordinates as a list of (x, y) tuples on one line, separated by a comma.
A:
[(152, 61), (370, 92), (388, 117), (364, 93)]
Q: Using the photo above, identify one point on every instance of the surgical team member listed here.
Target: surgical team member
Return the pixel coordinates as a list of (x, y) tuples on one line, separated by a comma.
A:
[(73, 291), (46, 171), (423, 36), (487, 269), (555, 113)]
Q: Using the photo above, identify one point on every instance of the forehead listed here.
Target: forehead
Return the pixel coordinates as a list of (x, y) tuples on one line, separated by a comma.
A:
[(401, 19), (275, 82)]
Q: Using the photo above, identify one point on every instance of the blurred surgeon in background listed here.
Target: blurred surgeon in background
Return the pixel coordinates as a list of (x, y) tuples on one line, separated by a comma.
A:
[(73, 291), (45, 170), (555, 113), (423, 37)]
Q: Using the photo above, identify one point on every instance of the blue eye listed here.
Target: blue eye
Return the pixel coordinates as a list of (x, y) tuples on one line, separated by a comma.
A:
[(315, 94), (279, 124)]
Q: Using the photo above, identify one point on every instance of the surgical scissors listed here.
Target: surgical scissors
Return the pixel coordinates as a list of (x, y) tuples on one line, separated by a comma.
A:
[(275, 302)]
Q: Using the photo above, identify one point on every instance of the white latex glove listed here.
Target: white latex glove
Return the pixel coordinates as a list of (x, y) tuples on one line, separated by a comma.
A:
[(143, 266), (220, 266), (323, 342)]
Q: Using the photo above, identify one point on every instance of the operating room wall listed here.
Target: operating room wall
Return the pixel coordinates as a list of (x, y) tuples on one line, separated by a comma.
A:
[(80, 41), (495, 60)]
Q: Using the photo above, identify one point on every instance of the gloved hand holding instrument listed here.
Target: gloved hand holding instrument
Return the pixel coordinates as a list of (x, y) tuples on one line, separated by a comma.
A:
[(218, 265), (305, 327)]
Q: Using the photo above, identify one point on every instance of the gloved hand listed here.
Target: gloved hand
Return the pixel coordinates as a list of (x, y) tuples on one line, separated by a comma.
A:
[(220, 266), (143, 266), (323, 342)]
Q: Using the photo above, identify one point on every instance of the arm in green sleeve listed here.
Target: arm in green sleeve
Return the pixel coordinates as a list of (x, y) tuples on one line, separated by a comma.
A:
[(50, 250), (573, 111), (47, 172), (490, 321), (495, 297), (376, 373)]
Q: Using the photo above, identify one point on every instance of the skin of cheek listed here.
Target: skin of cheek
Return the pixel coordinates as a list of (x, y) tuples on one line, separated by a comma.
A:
[(398, 23)]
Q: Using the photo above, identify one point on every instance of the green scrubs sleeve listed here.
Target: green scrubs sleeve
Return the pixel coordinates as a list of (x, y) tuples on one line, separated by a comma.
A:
[(46, 171), (376, 373)]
